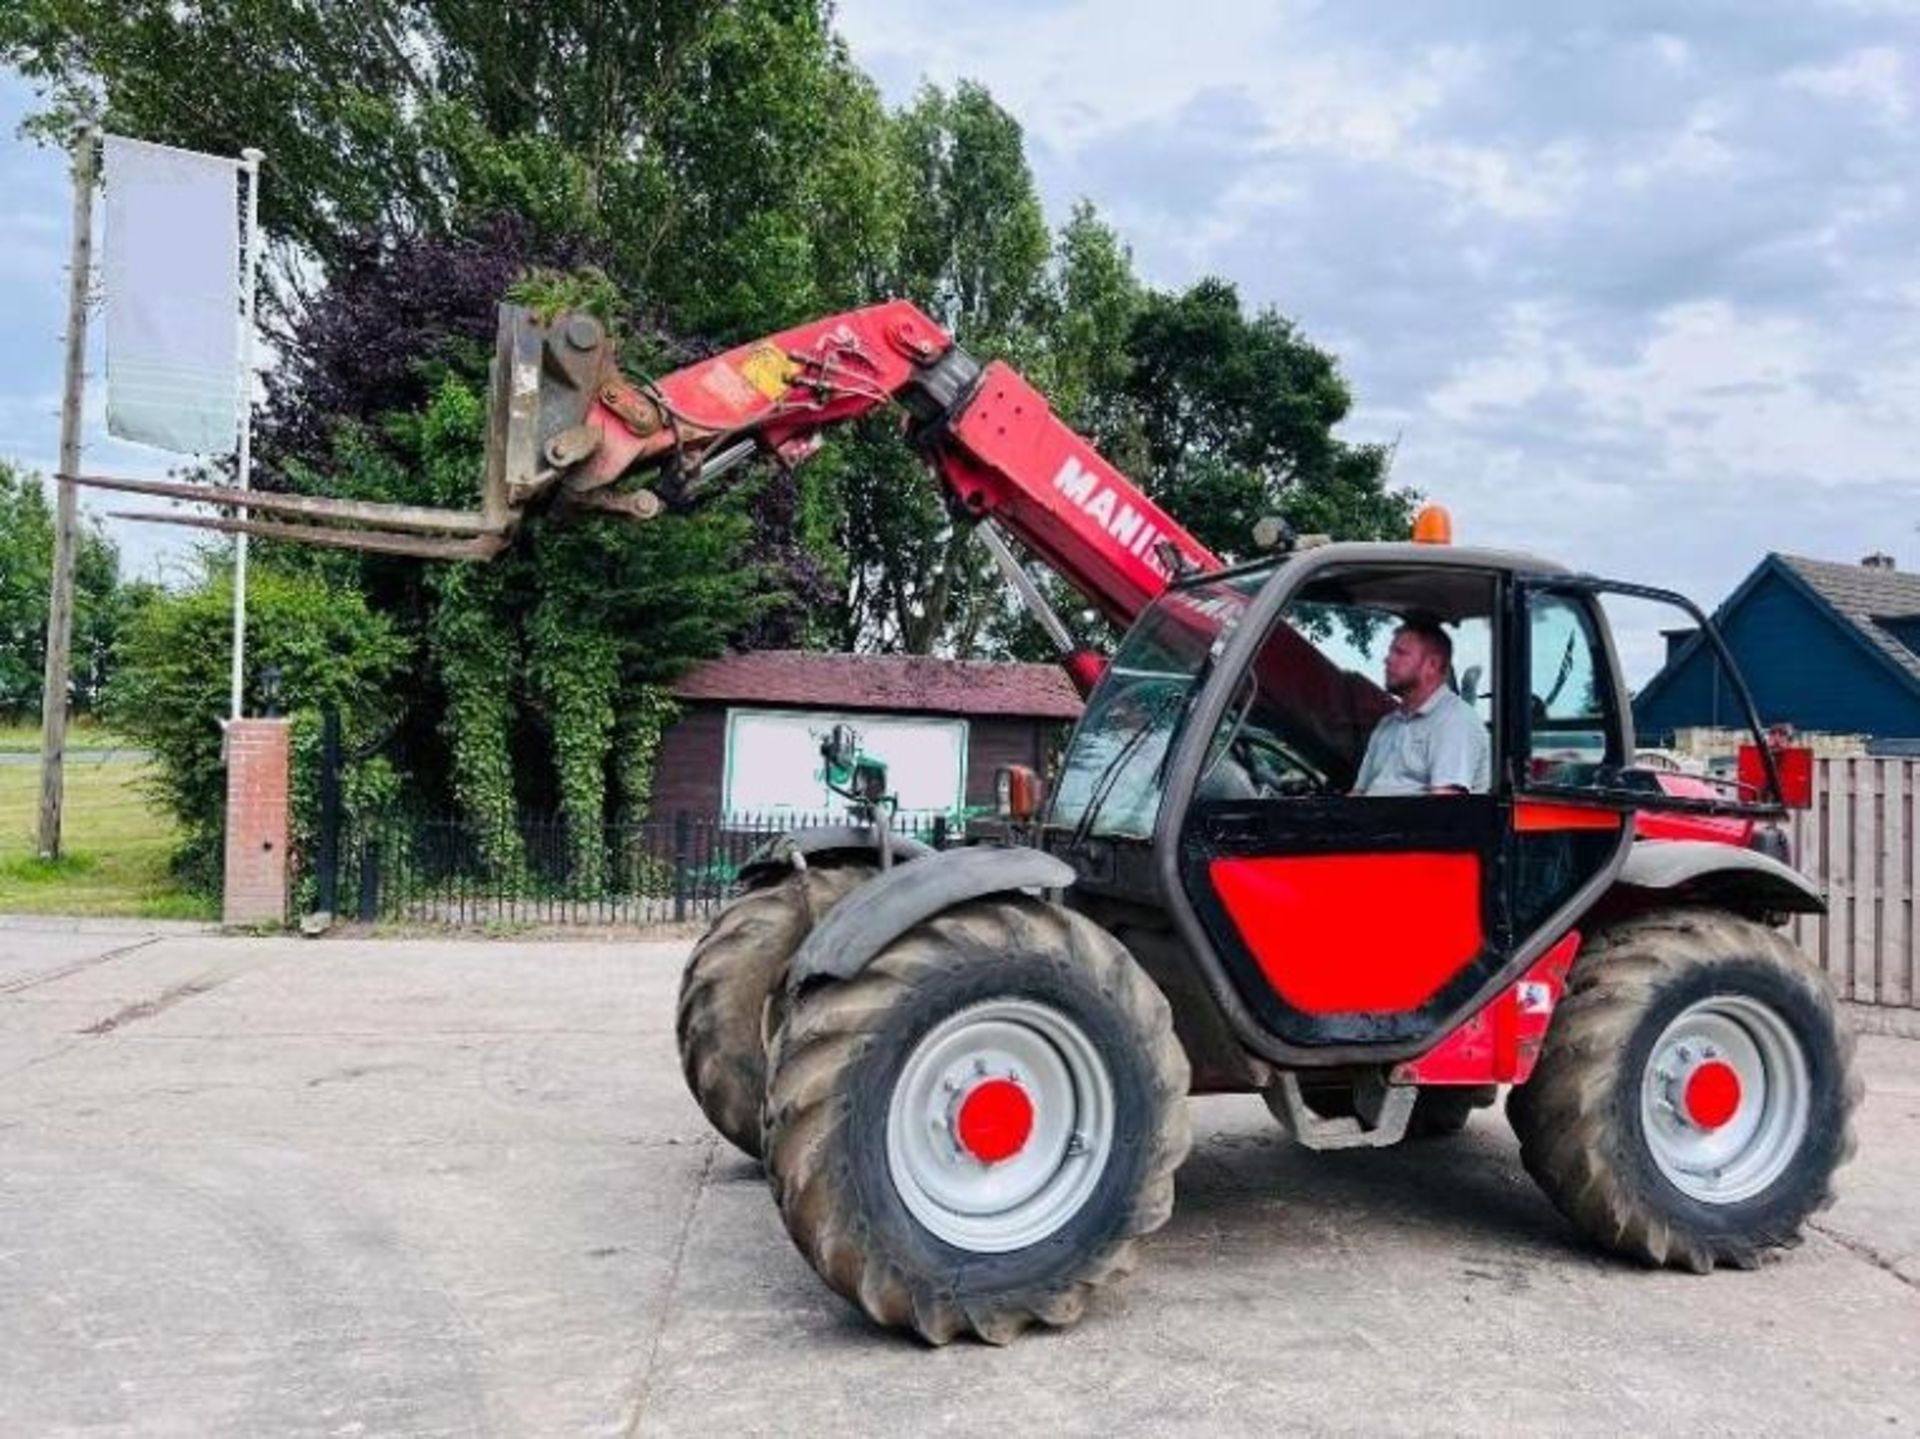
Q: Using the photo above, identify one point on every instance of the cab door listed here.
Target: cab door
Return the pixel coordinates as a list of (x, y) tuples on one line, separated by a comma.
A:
[(1569, 822), (1347, 922)]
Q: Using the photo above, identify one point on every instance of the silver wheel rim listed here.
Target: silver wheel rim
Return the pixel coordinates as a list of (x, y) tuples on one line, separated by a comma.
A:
[(1739, 1158), (994, 1208)]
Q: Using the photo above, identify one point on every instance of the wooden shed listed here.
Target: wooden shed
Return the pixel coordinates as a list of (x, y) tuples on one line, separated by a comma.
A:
[(748, 733)]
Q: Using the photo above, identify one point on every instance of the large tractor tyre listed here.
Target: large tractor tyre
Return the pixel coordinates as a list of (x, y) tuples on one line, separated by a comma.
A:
[(969, 1136), (1695, 1093), (732, 974)]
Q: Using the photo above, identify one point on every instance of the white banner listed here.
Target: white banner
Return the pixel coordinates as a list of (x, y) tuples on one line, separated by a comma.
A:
[(173, 297)]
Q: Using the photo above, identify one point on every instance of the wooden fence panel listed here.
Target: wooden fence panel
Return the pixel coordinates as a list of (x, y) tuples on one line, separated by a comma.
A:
[(1896, 884), (1857, 844)]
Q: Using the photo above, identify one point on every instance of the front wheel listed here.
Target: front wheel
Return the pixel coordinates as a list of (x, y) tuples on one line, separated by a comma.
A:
[(1695, 1094), (968, 1136), (732, 977)]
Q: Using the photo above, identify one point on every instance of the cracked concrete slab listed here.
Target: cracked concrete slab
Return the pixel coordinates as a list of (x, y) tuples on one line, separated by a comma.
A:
[(458, 1188)]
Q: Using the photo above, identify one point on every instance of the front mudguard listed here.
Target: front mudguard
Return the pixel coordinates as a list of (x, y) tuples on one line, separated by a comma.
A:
[(893, 902), (1723, 875), (777, 855)]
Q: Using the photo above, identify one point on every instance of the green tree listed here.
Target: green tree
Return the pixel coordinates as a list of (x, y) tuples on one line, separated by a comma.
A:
[(26, 566), (101, 604), (975, 247), (714, 168), (1091, 300), (170, 689), (1237, 416), (546, 661), (974, 255), (336, 105), (727, 153), (698, 171)]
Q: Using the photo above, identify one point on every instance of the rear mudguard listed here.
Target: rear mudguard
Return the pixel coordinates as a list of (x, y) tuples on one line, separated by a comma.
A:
[(777, 854), (1742, 879), (890, 904)]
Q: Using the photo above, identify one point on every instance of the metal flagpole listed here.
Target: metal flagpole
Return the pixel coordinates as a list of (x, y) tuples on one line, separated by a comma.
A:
[(53, 692), (250, 161)]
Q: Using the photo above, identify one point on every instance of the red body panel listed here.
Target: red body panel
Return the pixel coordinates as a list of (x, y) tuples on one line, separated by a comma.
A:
[(1350, 933), (1536, 817), (1012, 458), (778, 389), (1716, 829), (1500, 1044)]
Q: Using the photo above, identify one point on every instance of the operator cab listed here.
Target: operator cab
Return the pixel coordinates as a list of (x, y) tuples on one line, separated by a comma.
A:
[(1301, 714), (1213, 774)]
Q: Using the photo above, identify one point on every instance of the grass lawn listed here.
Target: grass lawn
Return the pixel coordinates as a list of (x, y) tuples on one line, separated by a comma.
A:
[(116, 846), (83, 733)]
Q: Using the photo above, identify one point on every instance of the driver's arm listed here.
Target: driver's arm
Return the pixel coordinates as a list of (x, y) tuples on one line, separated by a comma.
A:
[(1369, 764), (1460, 757)]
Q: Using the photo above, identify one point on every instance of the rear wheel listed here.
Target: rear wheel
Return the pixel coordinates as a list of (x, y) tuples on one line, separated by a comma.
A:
[(732, 975), (1695, 1094), (968, 1136)]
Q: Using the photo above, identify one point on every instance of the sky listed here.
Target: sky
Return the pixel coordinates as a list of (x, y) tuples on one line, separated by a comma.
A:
[(1633, 286)]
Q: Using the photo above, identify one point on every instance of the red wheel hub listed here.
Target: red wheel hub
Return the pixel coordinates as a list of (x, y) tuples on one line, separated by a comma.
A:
[(994, 1121), (1713, 1094)]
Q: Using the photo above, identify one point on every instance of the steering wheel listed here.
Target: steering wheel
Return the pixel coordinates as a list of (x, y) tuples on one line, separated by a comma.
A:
[(1272, 770)]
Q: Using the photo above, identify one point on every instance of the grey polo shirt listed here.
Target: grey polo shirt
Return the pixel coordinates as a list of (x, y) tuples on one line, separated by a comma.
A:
[(1440, 745)]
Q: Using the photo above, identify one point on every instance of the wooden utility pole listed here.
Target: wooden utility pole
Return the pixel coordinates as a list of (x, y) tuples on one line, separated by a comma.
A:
[(53, 694)]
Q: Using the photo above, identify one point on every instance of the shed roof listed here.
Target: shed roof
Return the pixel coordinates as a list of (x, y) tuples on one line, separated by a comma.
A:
[(919, 684)]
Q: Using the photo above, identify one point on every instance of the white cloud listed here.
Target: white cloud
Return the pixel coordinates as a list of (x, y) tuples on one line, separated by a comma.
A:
[(1697, 151), (1875, 77), (1080, 72)]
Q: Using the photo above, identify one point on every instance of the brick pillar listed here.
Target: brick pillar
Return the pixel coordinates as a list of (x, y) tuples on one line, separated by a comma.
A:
[(258, 752)]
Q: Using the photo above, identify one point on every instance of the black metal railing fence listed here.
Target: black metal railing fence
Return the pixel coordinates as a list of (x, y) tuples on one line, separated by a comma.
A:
[(538, 869)]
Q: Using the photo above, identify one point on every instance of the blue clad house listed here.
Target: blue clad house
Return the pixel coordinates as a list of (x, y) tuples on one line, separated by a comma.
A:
[(1825, 647)]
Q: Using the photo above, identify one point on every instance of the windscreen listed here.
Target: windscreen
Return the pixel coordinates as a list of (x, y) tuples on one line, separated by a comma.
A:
[(1114, 771)]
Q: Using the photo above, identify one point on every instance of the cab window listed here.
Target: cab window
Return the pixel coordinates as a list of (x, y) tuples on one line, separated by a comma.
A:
[(1571, 730), (1114, 773), (1304, 715)]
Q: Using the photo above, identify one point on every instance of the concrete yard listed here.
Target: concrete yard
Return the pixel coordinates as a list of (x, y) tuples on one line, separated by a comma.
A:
[(274, 1186)]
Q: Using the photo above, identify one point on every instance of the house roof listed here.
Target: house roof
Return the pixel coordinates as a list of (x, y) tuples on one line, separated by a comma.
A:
[(1858, 598), (901, 683), (1866, 596)]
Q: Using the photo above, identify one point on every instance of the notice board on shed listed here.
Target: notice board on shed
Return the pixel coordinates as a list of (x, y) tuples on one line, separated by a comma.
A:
[(773, 760)]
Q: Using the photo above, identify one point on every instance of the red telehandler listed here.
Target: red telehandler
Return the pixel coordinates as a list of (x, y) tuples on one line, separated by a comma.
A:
[(968, 1072)]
